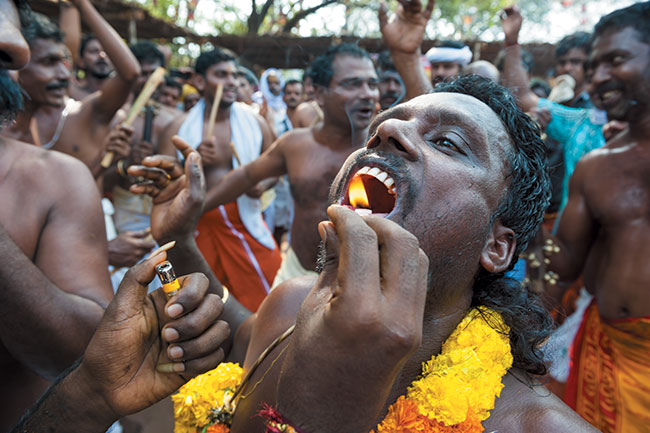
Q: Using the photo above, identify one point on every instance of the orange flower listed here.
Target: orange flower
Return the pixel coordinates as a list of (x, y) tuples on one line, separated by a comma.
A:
[(217, 428), (402, 417)]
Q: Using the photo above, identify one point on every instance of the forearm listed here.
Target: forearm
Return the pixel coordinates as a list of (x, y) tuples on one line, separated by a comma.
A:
[(515, 78), (70, 404), (70, 22), (43, 326), (231, 186), (126, 65), (409, 67)]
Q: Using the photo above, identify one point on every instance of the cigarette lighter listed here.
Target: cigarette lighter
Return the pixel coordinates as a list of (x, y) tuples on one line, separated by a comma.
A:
[(170, 284)]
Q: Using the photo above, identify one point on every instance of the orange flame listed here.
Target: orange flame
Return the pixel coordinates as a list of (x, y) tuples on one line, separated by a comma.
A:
[(357, 193)]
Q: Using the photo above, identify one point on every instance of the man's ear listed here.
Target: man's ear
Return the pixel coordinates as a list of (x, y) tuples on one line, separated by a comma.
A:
[(499, 248)]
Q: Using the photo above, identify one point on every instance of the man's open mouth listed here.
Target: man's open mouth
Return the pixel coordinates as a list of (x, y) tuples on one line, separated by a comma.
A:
[(371, 191)]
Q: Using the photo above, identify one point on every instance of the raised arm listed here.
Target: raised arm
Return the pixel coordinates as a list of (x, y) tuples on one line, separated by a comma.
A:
[(403, 34), (70, 23), (116, 89), (514, 76), (52, 302)]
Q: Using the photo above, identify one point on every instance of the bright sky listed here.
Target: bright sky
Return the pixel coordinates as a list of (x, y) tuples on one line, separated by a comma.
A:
[(562, 20)]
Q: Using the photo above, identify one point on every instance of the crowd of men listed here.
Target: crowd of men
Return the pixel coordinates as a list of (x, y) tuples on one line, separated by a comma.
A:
[(484, 187)]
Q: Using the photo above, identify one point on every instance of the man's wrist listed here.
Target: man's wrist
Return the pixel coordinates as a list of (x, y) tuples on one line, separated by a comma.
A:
[(511, 41)]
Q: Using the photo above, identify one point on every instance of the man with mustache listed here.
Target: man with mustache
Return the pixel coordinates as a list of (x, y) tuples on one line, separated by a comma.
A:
[(55, 282), (391, 88), (234, 238), (604, 231), (49, 118), (346, 88), (470, 189), (94, 62)]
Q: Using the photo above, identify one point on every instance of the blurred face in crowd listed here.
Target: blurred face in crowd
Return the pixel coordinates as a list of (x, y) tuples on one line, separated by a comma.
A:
[(274, 83), (95, 61), (226, 74), (190, 101), (390, 89), (573, 63), (169, 95), (292, 95), (244, 90), (440, 71)]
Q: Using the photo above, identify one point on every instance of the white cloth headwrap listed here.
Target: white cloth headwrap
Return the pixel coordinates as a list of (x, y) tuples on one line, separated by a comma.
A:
[(273, 101), (462, 56), (246, 135)]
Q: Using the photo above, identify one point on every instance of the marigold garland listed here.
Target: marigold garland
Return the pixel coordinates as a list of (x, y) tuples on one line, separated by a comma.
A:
[(455, 393)]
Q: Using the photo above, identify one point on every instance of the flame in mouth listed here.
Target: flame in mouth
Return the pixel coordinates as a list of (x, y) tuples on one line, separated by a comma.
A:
[(357, 193)]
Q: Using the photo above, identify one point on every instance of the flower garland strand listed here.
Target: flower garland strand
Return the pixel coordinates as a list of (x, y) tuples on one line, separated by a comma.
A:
[(455, 393)]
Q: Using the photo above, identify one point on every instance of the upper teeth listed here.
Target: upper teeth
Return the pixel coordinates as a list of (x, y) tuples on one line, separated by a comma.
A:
[(380, 175)]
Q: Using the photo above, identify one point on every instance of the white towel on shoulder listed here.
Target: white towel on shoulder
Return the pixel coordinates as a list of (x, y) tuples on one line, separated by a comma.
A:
[(247, 139)]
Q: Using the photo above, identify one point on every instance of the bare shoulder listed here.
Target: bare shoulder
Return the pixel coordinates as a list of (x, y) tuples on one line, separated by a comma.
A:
[(532, 409), (276, 314), (297, 137)]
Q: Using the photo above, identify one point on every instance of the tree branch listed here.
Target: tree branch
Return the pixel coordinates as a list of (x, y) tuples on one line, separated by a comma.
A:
[(303, 13)]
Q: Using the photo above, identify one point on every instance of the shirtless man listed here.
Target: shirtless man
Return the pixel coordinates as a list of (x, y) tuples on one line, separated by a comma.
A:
[(309, 112), (55, 282), (292, 97), (604, 233), (346, 88), (233, 238), (392, 289), (97, 67), (75, 128)]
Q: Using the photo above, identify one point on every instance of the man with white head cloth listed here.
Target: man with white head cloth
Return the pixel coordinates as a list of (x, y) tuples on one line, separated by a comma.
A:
[(447, 60)]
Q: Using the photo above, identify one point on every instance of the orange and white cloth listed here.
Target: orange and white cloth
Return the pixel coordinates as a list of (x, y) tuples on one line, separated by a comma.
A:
[(237, 259), (609, 381)]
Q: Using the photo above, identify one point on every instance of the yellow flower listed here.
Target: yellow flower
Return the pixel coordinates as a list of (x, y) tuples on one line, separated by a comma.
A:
[(194, 402)]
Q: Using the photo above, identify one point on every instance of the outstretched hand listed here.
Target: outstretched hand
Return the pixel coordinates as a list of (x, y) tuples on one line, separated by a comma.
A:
[(511, 20), (357, 326), (404, 31), (178, 193), (147, 347)]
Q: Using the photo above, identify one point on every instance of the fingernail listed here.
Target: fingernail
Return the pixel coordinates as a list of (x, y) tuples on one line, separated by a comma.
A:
[(174, 310), (167, 246), (170, 334), (175, 352), (323, 232)]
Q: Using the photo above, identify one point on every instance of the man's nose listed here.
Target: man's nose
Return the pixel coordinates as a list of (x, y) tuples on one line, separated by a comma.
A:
[(392, 136), (601, 73), (14, 51), (63, 71)]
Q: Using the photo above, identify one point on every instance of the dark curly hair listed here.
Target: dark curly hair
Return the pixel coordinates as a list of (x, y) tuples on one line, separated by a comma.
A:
[(40, 27), (147, 52), (321, 71), (636, 16), (213, 57), (522, 210), (579, 40)]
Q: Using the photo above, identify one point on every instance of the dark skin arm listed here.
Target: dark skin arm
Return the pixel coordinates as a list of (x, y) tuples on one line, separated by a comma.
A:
[(514, 76), (403, 34), (70, 21), (270, 164), (127, 365), (575, 235), (178, 196), (53, 301)]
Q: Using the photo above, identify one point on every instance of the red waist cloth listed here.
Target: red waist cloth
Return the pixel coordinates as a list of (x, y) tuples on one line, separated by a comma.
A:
[(609, 381), (239, 261)]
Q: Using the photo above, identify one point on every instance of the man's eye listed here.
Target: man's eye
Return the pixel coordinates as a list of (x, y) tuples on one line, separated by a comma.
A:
[(445, 142)]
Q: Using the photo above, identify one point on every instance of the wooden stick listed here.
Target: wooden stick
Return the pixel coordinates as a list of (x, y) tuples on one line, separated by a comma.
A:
[(235, 154), (213, 112), (150, 86)]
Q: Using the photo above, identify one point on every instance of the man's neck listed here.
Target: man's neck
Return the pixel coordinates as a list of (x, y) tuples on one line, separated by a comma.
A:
[(93, 83), (333, 135), (223, 114)]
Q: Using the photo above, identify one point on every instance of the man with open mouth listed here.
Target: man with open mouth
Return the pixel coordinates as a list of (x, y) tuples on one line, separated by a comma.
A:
[(346, 88)]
